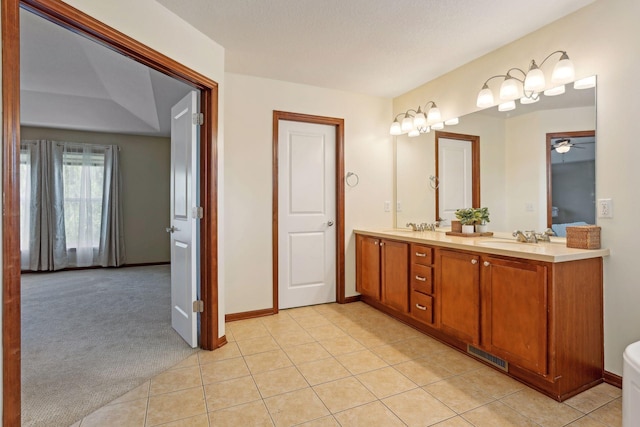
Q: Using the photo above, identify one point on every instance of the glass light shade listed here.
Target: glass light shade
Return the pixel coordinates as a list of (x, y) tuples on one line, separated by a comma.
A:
[(407, 123), (485, 98), (558, 90), (425, 130), (563, 149), (434, 115), (452, 122), (535, 81), (414, 132), (395, 129), (535, 98), (437, 126), (507, 106), (563, 72), (586, 83), (419, 120), (510, 89)]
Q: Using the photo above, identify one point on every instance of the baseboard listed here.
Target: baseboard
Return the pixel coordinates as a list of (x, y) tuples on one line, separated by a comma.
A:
[(613, 379), (248, 315), (349, 300), (221, 341), (93, 267)]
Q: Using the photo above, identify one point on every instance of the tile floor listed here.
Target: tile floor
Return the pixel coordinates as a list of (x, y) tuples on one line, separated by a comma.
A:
[(343, 365)]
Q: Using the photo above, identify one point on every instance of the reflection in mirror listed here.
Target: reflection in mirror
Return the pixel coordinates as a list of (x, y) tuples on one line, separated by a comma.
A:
[(571, 167), (513, 160)]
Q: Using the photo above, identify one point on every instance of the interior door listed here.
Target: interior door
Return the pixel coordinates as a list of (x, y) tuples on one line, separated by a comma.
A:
[(458, 184), (306, 214), (184, 218)]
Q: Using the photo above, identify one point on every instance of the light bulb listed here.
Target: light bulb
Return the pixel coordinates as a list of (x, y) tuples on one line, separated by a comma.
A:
[(563, 72), (510, 89), (434, 115), (407, 123), (586, 83), (534, 81), (485, 97), (507, 106), (395, 129), (558, 90)]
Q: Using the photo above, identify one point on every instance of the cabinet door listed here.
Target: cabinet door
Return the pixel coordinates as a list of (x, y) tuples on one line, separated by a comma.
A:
[(458, 294), (368, 266), (515, 312), (395, 275)]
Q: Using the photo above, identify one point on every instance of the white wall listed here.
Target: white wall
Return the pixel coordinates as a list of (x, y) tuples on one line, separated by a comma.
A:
[(600, 39), (249, 106)]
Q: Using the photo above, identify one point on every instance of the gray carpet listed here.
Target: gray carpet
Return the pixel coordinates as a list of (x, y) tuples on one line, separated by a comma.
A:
[(89, 336)]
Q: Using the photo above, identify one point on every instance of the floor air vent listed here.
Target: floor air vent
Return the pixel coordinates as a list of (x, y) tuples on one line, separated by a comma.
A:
[(495, 361)]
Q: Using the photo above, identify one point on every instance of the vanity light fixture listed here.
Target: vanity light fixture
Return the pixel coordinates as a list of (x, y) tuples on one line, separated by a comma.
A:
[(530, 85), (586, 83), (558, 90), (416, 122), (507, 106)]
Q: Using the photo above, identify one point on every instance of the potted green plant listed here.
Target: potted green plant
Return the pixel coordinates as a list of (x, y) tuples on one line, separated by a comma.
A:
[(466, 216), (481, 218)]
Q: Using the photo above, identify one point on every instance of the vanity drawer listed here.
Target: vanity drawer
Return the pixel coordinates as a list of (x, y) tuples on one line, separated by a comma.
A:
[(421, 255), (422, 278), (422, 307)]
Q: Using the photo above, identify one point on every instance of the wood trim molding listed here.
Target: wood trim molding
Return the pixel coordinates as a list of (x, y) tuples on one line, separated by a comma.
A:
[(475, 165), (79, 22), (340, 191), (354, 298), (248, 315), (551, 136), (613, 379), (11, 370)]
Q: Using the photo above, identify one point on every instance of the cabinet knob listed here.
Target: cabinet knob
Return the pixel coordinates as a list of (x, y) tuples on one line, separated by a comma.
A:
[(474, 261), (381, 244), (487, 263)]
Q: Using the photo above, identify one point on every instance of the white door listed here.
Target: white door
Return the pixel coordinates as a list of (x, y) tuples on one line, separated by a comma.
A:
[(455, 177), (306, 214), (184, 223)]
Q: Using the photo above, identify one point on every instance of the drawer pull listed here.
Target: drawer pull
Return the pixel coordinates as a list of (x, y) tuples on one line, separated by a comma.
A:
[(422, 279), (420, 254), (421, 307)]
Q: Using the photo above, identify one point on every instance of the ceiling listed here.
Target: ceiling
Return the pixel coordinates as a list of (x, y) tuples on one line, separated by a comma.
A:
[(375, 47)]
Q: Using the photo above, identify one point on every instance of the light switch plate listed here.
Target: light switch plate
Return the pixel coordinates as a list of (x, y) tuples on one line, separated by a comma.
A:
[(605, 208)]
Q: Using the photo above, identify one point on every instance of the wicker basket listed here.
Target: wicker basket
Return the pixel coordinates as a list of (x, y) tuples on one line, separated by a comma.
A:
[(583, 237)]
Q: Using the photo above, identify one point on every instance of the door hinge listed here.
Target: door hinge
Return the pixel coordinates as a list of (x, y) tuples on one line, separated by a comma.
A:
[(198, 119), (198, 306), (198, 212)]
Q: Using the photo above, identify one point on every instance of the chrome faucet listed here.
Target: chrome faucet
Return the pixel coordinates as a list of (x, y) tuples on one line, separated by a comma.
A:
[(424, 226)]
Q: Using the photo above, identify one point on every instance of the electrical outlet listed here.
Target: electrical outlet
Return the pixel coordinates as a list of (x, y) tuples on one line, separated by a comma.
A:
[(387, 206), (528, 207), (398, 206), (605, 208)]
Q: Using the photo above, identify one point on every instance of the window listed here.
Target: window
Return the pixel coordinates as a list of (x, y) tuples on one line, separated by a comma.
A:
[(83, 182)]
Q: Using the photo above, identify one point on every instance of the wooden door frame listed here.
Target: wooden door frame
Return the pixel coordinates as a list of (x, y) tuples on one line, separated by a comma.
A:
[(81, 23), (550, 136), (475, 165), (340, 239)]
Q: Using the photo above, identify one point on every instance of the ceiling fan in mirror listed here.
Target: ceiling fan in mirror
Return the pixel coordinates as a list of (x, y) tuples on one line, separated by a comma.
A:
[(564, 145)]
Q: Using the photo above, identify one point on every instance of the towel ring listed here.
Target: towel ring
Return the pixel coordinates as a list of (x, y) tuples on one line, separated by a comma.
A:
[(351, 182), (434, 182)]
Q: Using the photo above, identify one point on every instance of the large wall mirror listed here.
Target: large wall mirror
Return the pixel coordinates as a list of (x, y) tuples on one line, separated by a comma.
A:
[(516, 163)]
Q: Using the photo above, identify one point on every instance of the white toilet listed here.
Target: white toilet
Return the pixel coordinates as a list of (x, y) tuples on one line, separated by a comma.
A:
[(631, 386)]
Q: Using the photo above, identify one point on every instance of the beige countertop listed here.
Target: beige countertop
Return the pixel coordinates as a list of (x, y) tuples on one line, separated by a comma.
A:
[(498, 244)]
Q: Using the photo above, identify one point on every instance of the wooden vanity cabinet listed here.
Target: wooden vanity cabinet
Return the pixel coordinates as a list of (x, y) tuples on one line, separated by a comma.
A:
[(368, 266), (421, 280), (458, 290), (382, 271), (515, 305)]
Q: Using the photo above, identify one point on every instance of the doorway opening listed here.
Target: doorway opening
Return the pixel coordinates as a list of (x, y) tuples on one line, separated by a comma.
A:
[(83, 24)]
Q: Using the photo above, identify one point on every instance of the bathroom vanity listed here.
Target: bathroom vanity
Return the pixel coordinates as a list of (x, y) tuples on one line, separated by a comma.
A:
[(531, 310)]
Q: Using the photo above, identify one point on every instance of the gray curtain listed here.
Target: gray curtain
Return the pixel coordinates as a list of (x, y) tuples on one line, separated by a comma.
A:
[(111, 252), (47, 244)]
